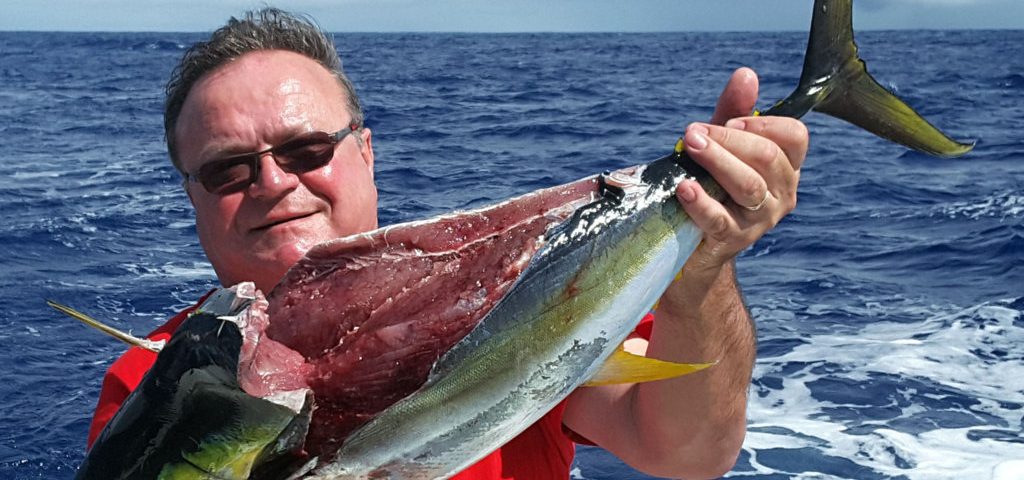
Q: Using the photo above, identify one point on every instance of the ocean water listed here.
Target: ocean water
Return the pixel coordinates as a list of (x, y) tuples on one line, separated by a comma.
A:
[(889, 304)]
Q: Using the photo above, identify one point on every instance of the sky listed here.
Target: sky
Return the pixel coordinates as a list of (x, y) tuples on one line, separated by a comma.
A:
[(507, 15)]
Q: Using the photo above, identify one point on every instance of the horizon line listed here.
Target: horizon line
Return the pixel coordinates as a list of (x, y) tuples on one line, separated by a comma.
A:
[(518, 32)]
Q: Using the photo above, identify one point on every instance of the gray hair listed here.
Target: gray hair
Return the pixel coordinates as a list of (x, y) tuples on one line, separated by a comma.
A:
[(264, 29)]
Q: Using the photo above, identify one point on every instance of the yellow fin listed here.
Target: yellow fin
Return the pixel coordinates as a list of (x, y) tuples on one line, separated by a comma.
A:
[(153, 346), (625, 367)]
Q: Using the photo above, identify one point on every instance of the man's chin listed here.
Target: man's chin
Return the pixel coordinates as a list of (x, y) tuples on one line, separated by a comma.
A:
[(271, 265), (287, 255)]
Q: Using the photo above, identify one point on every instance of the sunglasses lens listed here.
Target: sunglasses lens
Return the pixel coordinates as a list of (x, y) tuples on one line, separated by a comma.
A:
[(227, 176), (305, 154)]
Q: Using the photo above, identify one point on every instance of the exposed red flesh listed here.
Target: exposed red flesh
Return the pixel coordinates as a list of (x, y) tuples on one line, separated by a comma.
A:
[(266, 366), (372, 313)]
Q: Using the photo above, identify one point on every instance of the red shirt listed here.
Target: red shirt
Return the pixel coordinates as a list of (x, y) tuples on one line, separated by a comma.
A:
[(541, 452)]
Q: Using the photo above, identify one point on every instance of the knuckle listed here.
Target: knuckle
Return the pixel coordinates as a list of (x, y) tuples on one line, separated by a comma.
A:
[(757, 125), (797, 129), (797, 140), (765, 154), (722, 135), (718, 226), (786, 130), (751, 188), (791, 200)]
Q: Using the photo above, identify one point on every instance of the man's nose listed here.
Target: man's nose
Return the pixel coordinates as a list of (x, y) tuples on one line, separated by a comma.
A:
[(272, 180)]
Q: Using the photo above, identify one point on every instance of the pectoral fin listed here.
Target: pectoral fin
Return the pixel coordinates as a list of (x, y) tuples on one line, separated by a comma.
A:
[(625, 367), (224, 433)]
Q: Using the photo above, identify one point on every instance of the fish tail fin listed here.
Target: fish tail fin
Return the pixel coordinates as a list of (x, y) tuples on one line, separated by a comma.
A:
[(625, 367), (153, 346), (835, 81)]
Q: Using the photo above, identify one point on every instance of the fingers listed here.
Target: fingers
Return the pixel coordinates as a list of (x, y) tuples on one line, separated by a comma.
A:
[(749, 167), (788, 133), (757, 164), (738, 98), (710, 216)]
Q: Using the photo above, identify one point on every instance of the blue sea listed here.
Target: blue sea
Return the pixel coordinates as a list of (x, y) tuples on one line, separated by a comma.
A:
[(890, 304)]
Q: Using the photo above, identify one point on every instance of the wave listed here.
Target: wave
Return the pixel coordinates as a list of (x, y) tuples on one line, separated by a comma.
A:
[(919, 399)]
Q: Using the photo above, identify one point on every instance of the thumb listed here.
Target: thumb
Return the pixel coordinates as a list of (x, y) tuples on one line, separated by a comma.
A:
[(738, 97)]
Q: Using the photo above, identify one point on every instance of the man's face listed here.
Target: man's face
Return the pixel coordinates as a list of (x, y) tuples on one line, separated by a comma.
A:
[(256, 102)]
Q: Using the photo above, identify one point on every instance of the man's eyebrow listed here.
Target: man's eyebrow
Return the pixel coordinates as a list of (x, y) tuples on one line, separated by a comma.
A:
[(226, 149)]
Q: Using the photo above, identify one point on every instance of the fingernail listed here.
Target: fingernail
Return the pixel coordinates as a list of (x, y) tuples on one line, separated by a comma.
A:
[(737, 124), (697, 138), (686, 191), (699, 128)]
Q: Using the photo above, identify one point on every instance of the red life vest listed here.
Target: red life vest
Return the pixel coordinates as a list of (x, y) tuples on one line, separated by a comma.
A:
[(542, 452)]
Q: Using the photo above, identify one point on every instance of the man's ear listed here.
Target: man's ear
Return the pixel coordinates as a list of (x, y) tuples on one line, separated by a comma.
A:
[(366, 149), (188, 191)]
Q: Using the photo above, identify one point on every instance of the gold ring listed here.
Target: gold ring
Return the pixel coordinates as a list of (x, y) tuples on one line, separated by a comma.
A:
[(761, 205)]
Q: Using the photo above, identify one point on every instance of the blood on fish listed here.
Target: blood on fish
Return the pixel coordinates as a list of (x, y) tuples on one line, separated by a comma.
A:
[(387, 308)]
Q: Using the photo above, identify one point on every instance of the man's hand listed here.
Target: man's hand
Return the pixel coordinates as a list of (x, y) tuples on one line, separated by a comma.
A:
[(755, 159)]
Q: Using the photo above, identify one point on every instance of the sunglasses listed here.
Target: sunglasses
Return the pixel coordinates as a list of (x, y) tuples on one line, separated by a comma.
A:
[(302, 154)]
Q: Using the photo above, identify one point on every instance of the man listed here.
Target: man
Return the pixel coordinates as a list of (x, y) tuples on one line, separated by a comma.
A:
[(264, 84)]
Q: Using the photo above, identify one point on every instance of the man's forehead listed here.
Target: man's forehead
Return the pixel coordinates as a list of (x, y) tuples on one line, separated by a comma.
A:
[(269, 64), (264, 96)]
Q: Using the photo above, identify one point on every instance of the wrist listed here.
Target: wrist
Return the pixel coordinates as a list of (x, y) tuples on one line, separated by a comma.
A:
[(695, 284)]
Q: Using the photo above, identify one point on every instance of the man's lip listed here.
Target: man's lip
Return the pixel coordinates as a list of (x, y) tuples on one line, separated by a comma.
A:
[(282, 220)]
